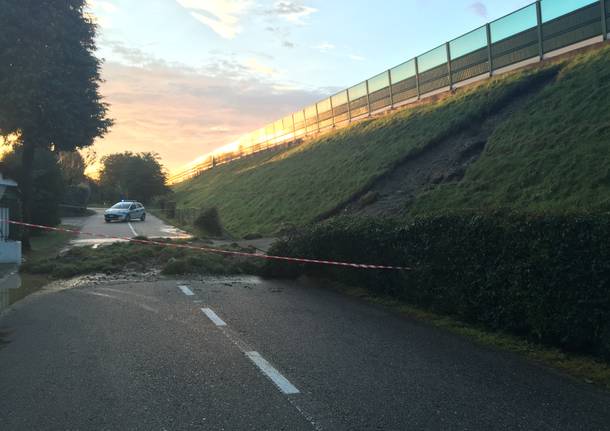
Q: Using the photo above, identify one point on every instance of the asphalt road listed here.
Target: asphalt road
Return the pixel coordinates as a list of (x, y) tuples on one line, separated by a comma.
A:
[(286, 356), (153, 227)]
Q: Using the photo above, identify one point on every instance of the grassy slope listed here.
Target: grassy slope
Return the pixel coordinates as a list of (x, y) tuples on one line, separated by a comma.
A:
[(259, 194), (552, 156)]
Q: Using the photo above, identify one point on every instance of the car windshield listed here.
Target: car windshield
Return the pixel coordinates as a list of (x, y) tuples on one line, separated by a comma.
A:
[(121, 206)]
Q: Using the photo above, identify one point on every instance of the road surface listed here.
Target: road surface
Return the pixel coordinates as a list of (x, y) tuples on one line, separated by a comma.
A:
[(262, 355), (153, 227)]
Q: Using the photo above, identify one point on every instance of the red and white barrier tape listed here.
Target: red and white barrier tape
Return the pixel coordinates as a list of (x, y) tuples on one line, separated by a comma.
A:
[(215, 250)]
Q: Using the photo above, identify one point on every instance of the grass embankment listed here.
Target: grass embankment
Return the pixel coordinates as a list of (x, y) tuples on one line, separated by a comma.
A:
[(262, 193), (551, 156), (136, 257)]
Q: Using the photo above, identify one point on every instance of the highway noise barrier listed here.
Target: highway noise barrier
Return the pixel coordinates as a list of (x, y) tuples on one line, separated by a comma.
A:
[(216, 250)]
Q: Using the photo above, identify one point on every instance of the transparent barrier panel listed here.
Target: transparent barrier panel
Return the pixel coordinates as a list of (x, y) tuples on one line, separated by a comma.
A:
[(278, 128), (340, 108), (469, 56), (325, 113), (568, 22), (433, 70), (515, 23), (552, 9), (358, 102), (404, 84), (379, 91), (311, 119), (515, 37), (299, 123)]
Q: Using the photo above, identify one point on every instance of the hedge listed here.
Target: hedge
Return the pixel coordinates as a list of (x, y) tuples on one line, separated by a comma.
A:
[(543, 276)]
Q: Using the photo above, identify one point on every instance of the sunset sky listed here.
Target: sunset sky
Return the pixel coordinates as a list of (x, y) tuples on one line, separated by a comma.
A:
[(185, 77)]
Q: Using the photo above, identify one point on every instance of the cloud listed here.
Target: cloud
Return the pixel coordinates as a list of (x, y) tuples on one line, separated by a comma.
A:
[(290, 11), (222, 16), (325, 47), (183, 113), (479, 9), (101, 12), (283, 35), (103, 6), (254, 65)]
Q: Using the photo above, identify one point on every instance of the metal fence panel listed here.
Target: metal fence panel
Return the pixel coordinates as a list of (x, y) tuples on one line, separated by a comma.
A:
[(404, 82), (469, 56), (358, 101), (573, 27)]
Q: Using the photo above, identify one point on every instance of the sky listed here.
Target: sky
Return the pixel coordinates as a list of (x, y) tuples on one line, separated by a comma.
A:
[(186, 77)]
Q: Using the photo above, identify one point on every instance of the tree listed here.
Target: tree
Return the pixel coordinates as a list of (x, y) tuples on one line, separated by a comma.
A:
[(132, 176), (48, 186), (49, 82)]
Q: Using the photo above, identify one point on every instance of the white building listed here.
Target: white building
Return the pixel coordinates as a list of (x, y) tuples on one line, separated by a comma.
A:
[(10, 251)]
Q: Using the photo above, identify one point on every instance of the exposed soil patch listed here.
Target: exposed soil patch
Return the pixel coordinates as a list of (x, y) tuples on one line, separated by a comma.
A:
[(441, 162)]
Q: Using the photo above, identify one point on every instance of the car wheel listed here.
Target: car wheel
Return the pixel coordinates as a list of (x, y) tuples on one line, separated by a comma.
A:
[(143, 218)]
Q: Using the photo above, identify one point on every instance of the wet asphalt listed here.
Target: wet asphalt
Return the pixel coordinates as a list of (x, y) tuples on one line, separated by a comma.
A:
[(143, 356), (95, 230)]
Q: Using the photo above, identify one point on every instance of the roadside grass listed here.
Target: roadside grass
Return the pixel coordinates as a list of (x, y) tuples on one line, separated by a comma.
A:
[(550, 156), (580, 367), (134, 257), (46, 244), (265, 192)]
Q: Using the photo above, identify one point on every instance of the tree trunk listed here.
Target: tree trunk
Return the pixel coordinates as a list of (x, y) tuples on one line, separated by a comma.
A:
[(27, 191)]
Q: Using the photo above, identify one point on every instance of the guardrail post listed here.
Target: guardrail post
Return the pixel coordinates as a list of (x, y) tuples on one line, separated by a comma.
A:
[(539, 20), (294, 130), (368, 97), (604, 20), (489, 51), (391, 89), (318, 118), (349, 108), (417, 77), (332, 111), (448, 48), (305, 118)]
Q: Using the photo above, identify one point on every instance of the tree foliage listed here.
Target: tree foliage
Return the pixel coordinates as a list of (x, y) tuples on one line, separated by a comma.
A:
[(138, 176), (49, 82), (47, 180)]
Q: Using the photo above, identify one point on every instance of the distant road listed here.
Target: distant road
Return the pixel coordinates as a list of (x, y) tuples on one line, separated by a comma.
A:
[(243, 353), (153, 227)]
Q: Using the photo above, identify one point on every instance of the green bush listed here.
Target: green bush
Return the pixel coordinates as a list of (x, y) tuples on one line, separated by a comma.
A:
[(546, 276), (209, 222)]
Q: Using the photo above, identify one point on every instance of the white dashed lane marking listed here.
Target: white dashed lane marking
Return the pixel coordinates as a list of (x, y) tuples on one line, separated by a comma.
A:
[(213, 317), (274, 375), (186, 290)]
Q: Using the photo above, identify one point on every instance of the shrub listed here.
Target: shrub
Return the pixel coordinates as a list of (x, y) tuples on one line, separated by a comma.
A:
[(209, 222), (545, 276)]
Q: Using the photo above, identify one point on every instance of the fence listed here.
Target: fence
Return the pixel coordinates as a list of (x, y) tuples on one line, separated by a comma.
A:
[(541, 30)]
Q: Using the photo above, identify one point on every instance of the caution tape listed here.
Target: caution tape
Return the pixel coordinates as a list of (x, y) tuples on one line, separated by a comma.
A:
[(214, 250)]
